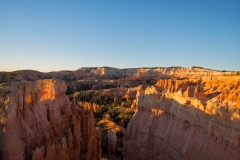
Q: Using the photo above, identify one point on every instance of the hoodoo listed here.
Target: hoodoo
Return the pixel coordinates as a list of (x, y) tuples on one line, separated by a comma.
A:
[(39, 122)]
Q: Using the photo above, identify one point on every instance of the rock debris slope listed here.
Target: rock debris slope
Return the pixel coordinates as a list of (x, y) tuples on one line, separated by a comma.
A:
[(173, 126), (38, 122)]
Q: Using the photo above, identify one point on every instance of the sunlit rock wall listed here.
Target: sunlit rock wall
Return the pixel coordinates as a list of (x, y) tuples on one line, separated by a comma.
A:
[(177, 127), (38, 122)]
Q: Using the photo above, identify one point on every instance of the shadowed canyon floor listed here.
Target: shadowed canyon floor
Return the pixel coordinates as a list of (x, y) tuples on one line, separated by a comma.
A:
[(109, 113)]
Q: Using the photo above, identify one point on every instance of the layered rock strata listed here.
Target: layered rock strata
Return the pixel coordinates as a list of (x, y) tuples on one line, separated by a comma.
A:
[(114, 73), (38, 122), (190, 88), (173, 126)]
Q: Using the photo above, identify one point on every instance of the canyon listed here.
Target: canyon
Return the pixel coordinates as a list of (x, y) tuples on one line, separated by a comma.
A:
[(109, 113)]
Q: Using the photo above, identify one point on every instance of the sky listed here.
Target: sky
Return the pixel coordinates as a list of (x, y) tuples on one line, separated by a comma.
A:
[(58, 35)]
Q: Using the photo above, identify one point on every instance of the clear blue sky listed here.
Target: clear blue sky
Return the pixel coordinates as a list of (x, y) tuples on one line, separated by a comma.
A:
[(49, 35)]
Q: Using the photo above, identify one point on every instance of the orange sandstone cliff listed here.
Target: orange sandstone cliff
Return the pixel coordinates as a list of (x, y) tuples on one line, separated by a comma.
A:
[(38, 122), (173, 126)]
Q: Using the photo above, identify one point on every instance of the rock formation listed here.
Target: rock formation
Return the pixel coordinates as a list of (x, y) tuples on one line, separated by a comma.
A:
[(174, 126), (38, 122), (112, 141), (190, 88), (89, 106), (112, 138), (128, 74)]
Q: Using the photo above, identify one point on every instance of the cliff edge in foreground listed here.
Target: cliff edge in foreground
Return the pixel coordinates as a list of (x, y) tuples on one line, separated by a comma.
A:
[(38, 122), (173, 126)]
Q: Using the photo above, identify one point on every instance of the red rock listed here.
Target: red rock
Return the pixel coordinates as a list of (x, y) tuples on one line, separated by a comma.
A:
[(178, 127), (41, 123), (112, 141)]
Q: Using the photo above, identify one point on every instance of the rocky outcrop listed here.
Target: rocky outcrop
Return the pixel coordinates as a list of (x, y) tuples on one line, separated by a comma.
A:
[(89, 106), (112, 138), (223, 91), (190, 88), (112, 141), (38, 122), (173, 126), (173, 85)]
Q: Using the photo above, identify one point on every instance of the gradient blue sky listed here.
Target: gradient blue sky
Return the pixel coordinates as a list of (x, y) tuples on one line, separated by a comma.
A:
[(49, 35)]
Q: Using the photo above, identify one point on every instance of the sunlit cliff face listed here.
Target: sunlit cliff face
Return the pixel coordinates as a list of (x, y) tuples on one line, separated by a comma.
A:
[(47, 91), (175, 126), (44, 90), (28, 100), (39, 122)]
